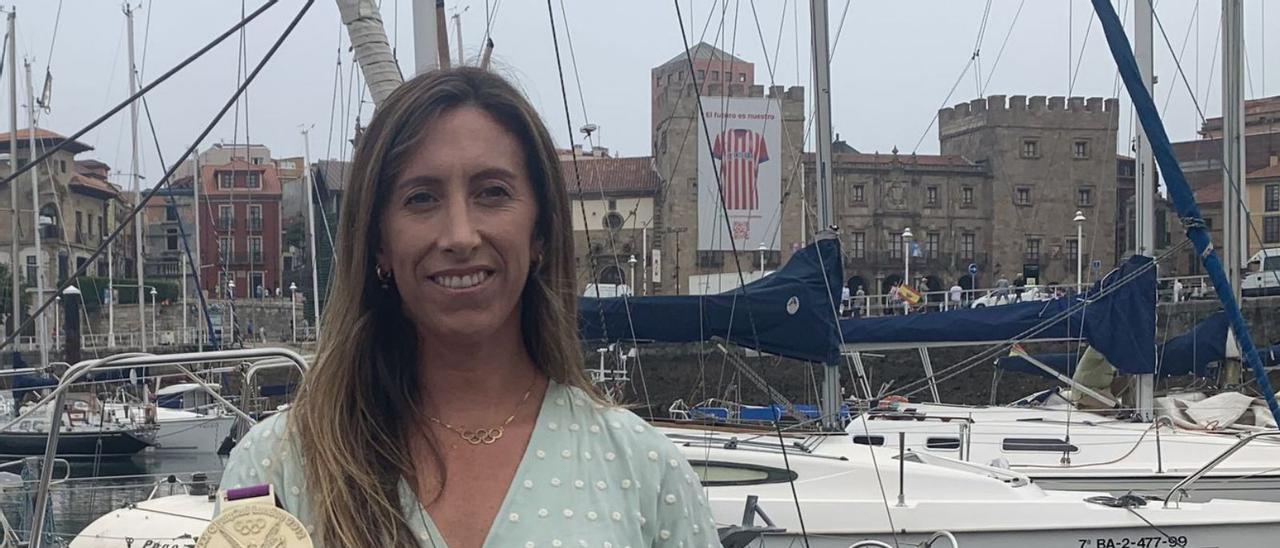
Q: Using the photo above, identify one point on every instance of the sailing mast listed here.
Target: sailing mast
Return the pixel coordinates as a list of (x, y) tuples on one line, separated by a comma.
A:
[(199, 259), (13, 168), (42, 322), (311, 229), (1234, 239), (826, 209), (1144, 188), (136, 183)]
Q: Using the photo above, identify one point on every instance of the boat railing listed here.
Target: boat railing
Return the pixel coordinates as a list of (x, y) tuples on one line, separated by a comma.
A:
[(127, 361), (1180, 490)]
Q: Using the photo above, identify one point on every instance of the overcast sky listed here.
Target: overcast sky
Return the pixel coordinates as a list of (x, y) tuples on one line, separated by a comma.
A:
[(894, 64)]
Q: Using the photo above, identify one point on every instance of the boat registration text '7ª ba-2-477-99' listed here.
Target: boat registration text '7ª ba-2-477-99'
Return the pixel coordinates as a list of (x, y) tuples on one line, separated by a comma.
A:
[(1153, 541)]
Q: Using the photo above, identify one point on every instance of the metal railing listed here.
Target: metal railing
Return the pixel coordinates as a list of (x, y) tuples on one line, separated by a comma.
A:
[(126, 361), (1180, 489)]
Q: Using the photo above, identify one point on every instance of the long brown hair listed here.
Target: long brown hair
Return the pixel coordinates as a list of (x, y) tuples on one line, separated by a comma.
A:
[(360, 402)]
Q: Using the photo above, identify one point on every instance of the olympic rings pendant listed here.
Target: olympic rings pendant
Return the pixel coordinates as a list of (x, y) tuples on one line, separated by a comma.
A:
[(479, 436)]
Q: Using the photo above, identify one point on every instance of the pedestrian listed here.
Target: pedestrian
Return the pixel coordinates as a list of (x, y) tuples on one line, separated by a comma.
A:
[(956, 294), (860, 302), (1019, 285), (1177, 290), (1002, 289), (251, 330), (845, 304)]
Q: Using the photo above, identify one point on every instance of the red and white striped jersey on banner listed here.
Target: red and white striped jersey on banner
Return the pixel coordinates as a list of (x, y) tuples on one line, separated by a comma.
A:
[(740, 151)]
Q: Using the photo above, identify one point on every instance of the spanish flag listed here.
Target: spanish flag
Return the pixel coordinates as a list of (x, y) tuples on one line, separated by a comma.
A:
[(907, 294)]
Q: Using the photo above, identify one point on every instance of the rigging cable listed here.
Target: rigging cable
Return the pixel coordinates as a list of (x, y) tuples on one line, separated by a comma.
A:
[(737, 260), (143, 201)]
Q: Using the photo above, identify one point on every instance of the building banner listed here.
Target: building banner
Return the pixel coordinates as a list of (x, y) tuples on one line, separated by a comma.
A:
[(739, 174)]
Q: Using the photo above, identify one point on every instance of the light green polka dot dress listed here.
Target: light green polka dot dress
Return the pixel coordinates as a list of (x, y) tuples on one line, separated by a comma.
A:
[(592, 476)]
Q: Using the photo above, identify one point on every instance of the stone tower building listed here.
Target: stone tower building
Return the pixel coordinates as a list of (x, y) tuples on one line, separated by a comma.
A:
[(675, 232), (1048, 158)]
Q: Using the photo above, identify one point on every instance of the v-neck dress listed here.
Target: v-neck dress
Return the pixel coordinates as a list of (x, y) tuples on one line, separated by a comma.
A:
[(591, 476)]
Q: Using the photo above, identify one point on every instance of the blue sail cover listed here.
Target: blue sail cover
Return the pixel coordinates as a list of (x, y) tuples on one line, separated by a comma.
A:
[(790, 313), (1121, 325)]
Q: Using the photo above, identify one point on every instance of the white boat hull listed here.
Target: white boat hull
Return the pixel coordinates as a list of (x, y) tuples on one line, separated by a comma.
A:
[(1259, 488), (193, 434)]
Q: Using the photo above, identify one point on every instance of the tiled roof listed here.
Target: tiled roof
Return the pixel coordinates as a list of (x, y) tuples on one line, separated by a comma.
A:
[(1268, 172), (612, 175), (93, 184), (75, 147), (703, 50)]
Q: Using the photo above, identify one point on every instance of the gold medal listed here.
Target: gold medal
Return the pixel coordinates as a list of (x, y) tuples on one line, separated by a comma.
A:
[(250, 519)]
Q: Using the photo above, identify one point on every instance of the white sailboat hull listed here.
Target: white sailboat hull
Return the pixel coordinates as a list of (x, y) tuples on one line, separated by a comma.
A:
[(192, 433)]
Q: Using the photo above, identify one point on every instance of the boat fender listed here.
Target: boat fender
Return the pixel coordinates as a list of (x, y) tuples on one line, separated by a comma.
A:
[(151, 413)]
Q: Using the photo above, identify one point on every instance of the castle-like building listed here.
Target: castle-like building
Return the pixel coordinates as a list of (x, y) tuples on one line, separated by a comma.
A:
[(1001, 197)]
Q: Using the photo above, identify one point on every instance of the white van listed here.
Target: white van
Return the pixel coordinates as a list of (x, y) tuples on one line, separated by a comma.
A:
[(1264, 274)]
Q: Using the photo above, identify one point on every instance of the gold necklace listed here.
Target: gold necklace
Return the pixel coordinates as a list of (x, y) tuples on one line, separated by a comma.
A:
[(487, 436)]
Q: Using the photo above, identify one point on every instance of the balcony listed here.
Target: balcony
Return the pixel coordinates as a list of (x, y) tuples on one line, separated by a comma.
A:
[(51, 232), (225, 223), (162, 270), (254, 224)]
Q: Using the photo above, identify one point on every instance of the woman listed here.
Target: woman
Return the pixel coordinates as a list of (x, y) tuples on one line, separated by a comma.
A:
[(448, 404)]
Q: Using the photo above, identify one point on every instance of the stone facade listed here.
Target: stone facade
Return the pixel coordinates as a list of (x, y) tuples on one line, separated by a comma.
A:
[(675, 229), (1048, 157), (945, 201)]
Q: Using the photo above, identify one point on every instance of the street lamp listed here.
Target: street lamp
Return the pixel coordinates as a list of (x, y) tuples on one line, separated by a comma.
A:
[(1079, 219), (761, 249), (293, 309), (632, 262), (906, 265), (154, 340), (231, 292)]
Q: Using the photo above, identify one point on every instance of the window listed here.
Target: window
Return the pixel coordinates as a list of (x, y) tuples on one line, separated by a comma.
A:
[(1030, 148), (868, 440), (716, 474), (1073, 248), (1053, 445), (613, 205), (742, 77), (90, 224), (170, 213), (932, 241), (1033, 250), (225, 248), (171, 239), (62, 165), (226, 179), (710, 259), (255, 180), (931, 196), (613, 220), (1080, 149), (257, 160), (1084, 197), (1273, 198), (942, 443), (255, 249), (255, 217), (31, 269), (858, 195), (702, 75), (858, 245), (895, 245), (966, 195), (1271, 229), (715, 76), (1022, 196), (226, 217), (1208, 224), (79, 227), (967, 243)]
